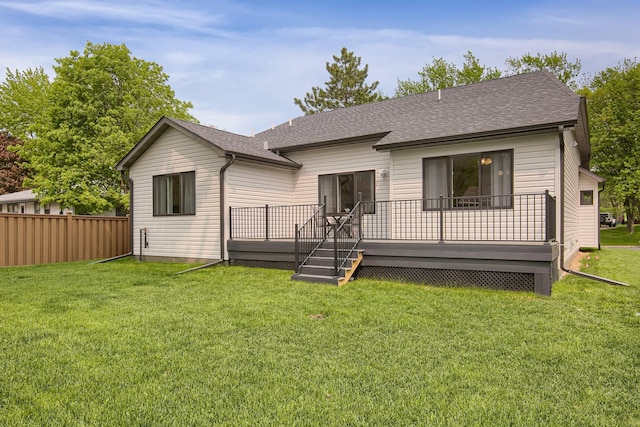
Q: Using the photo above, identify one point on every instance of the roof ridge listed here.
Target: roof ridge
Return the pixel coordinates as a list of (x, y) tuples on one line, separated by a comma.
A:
[(459, 88)]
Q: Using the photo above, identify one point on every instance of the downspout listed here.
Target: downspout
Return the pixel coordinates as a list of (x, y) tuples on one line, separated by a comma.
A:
[(131, 216), (562, 267), (223, 211), (598, 213), (561, 231)]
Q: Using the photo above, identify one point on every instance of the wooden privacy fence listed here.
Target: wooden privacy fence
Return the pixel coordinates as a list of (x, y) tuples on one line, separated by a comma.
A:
[(41, 239)]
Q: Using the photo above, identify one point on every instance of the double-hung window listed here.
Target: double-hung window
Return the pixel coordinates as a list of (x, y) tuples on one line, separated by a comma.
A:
[(477, 180), (174, 194), (342, 189)]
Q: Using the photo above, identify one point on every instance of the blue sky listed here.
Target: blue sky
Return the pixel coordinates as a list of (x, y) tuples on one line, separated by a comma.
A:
[(241, 63)]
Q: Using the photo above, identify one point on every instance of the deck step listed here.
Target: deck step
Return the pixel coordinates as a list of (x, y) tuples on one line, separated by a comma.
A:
[(314, 278), (320, 269)]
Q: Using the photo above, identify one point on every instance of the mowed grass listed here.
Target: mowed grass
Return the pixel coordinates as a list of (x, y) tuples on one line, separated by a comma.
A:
[(125, 343), (619, 236)]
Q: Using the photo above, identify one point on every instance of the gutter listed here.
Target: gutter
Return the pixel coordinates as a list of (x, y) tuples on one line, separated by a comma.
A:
[(561, 263), (222, 208)]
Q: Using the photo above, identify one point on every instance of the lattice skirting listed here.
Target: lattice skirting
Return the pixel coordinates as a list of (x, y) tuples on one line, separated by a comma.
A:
[(443, 277), (524, 282)]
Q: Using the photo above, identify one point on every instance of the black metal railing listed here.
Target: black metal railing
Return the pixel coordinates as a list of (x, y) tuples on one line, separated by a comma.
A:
[(310, 235), (514, 217), (347, 233), (268, 222)]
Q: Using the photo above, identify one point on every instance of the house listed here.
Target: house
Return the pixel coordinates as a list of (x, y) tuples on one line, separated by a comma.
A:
[(486, 184), (25, 202)]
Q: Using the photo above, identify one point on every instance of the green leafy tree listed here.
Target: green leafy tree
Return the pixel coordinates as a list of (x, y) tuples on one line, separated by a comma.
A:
[(441, 74), (557, 63), (614, 118), (346, 86), (473, 72), (12, 173), (23, 100), (101, 102)]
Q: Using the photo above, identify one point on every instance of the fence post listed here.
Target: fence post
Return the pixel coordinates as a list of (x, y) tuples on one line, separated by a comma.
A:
[(441, 219), (266, 219), (69, 237), (297, 250)]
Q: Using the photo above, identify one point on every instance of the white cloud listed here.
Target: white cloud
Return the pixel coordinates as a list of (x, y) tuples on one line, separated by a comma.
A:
[(154, 12), (247, 77)]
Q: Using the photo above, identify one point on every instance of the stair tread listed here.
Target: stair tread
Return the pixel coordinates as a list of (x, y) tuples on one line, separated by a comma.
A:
[(314, 275)]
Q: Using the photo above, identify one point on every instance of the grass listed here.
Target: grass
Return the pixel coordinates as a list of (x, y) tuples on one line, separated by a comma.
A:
[(618, 236), (125, 343)]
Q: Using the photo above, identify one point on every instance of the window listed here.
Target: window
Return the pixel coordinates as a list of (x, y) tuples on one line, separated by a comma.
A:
[(12, 208), (467, 179), (586, 197), (174, 194), (36, 207), (342, 190), (47, 209)]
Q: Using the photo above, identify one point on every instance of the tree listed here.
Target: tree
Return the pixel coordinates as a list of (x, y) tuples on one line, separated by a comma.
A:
[(556, 63), (101, 102), (614, 116), (11, 171), (346, 86), (473, 72), (441, 74), (23, 98)]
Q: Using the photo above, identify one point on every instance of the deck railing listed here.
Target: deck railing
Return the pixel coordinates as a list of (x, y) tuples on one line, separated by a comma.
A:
[(268, 222), (310, 235), (514, 217), (347, 233)]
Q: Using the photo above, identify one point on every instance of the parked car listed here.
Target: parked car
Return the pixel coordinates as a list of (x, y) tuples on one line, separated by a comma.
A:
[(607, 219)]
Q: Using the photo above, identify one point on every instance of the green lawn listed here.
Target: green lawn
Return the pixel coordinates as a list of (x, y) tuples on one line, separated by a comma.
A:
[(125, 343), (619, 236)]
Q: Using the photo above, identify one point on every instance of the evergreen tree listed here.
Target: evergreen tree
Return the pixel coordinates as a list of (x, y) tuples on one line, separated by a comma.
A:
[(346, 86)]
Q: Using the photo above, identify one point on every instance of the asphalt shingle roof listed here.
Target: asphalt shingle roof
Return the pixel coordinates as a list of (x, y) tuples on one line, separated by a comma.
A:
[(18, 196), (522, 101), (530, 101), (231, 142)]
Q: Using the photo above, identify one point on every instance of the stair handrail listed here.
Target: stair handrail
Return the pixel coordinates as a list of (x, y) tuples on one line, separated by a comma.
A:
[(319, 216), (346, 226)]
